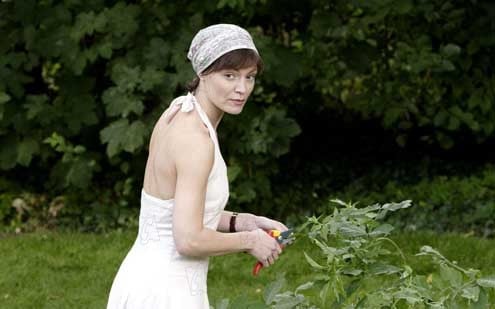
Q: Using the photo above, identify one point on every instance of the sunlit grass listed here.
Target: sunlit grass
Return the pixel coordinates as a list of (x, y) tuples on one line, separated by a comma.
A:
[(73, 270)]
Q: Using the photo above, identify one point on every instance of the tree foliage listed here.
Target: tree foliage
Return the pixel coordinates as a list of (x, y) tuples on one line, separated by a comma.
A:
[(83, 82)]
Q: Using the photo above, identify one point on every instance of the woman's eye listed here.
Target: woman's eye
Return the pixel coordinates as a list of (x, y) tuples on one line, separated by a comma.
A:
[(229, 76), (252, 77)]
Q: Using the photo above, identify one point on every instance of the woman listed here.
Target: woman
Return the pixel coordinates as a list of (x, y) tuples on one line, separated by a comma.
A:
[(182, 219)]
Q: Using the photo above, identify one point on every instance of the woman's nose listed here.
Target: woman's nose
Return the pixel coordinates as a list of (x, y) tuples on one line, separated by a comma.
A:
[(241, 86)]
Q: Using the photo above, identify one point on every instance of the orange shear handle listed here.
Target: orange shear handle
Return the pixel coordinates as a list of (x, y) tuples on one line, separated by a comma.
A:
[(259, 265)]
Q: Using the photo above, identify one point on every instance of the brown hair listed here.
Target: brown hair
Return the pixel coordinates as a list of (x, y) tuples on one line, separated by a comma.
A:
[(236, 59)]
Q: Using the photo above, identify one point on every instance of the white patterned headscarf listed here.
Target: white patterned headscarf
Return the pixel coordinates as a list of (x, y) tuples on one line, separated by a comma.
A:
[(212, 42)]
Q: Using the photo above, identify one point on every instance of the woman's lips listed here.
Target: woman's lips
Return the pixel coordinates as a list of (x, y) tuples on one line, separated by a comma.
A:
[(237, 102)]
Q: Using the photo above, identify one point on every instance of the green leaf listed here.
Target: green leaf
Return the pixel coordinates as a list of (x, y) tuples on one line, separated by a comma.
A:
[(80, 112), (403, 6), (105, 50), (119, 102), (233, 171), (150, 78), (339, 202), (451, 275), (482, 302), (38, 108), (8, 152), (487, 282), (440, 118), (397, 206), (348, 229), (447, 65), (56, 141), (321, 277), (157, 53), (305, 286), (384, 269), (445, 140), (392, 115), (4, 98), (476, 99), (383, 229), (352, 271), (451, 50), (401, 140), (25, 151), (324, 292), (119, 135), (288, 301), (273, 288), (122, 22), (80, 172), (471, 293), (312, 262), (425, 250), (454, 123), (126, 77), (408, 294), (283, 65), (86, 24)]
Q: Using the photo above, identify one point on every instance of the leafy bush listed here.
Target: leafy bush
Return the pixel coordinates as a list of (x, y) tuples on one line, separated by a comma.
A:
[(462, 203), (359, 266), (418, 67), (82, 83)]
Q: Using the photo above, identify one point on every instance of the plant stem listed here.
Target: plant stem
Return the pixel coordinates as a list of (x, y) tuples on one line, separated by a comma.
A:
[(396, 247)]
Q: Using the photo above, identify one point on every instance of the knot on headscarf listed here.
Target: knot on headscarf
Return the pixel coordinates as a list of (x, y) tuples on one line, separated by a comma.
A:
[(212, 42)]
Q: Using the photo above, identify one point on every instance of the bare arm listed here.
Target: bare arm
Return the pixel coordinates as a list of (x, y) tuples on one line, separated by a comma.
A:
[(193, 158), (249, 222), (224, 224)]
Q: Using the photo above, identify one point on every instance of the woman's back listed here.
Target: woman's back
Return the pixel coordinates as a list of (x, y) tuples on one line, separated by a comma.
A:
[(154, 274), (161, 174)]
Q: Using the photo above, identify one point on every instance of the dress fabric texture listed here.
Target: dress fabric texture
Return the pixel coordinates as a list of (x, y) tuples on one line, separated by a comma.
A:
[(153, 274)]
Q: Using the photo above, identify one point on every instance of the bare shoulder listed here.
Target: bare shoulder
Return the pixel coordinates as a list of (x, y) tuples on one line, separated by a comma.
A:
[(191, 145)]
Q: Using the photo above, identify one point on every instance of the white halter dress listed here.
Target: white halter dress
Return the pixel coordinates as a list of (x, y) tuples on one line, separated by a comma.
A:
[(154, 275)]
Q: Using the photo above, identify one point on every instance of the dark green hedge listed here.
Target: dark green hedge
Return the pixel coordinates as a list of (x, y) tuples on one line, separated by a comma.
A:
[(82, 83), (444, 202)]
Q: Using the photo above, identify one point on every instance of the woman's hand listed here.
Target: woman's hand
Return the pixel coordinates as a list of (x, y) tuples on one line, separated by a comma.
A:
[(263, 247), (250, 222)]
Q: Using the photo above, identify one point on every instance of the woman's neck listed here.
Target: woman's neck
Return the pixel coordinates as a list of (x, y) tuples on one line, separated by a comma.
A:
[(213, 113)]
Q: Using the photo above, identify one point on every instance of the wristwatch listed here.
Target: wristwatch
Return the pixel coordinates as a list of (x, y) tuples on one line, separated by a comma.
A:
[(232, 222)]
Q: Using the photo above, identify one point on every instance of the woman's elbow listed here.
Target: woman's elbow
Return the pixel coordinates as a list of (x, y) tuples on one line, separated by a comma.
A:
[(187, 247)]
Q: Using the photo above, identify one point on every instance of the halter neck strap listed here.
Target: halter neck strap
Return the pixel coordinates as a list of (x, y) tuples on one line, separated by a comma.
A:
[(186, 104)]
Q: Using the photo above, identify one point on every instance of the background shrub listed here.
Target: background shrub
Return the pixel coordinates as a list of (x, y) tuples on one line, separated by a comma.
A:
[(346, 84)]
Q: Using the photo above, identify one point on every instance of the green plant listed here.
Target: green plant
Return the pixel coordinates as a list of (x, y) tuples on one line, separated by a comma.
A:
[(359, 266)]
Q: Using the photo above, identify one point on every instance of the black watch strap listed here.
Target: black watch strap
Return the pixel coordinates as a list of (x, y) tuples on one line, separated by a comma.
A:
[(232, 222)]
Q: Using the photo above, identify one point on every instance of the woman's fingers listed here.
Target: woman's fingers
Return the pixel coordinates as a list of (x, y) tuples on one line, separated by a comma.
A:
[(275, 255), (282, 227), (267, 249), (276, 225), (269, 224)]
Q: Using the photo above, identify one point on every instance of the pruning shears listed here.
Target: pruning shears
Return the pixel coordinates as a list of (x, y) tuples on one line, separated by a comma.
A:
[(283, 239)]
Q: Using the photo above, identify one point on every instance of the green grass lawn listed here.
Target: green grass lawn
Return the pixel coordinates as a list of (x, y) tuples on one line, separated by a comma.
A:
[(73, 270)]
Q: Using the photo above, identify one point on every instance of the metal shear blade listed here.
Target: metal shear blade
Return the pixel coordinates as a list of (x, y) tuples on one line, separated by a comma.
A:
[(287, 237)]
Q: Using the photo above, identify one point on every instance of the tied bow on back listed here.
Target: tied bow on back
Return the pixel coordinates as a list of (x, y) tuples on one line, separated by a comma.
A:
[(183, 103)]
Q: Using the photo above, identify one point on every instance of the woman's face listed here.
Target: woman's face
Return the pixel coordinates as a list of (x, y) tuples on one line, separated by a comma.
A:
[(229, 89)]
